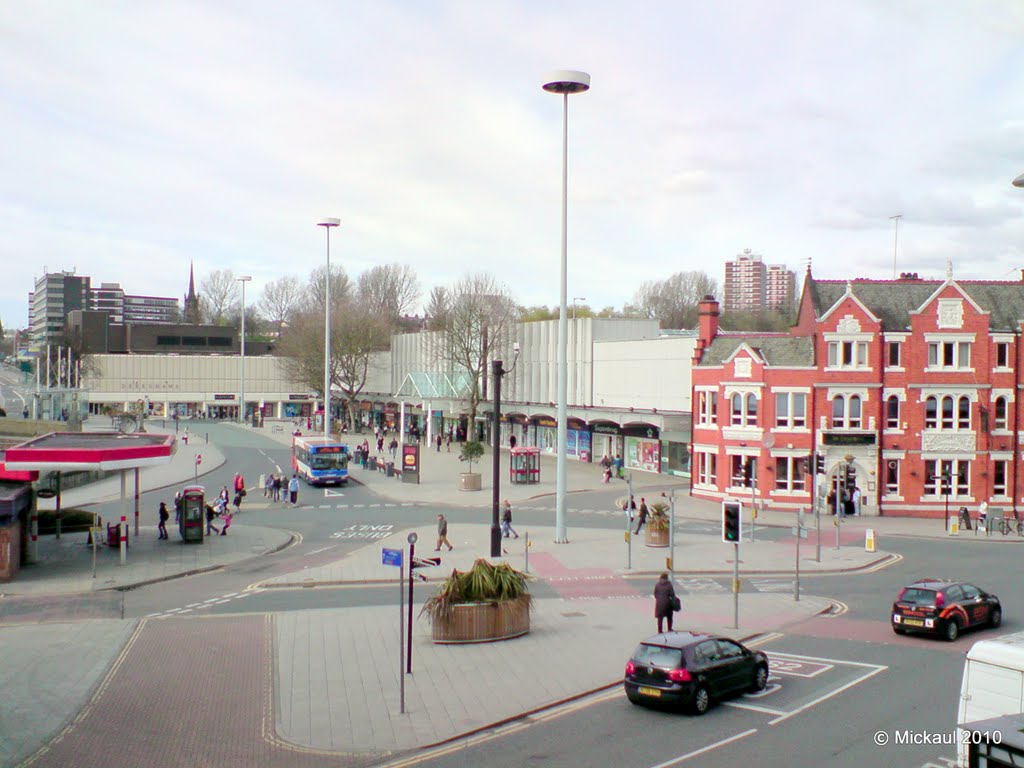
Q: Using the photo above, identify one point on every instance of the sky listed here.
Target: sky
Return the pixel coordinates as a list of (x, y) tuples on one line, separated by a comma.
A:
[(142, 136)]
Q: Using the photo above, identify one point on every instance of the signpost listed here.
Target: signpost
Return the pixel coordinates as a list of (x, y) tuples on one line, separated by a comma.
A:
[(801, 533), (732, 532), (393, 557), (199, 460)]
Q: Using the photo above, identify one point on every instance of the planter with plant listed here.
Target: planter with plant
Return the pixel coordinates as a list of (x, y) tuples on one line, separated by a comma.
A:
[(486, 603), (472, 450), (656, 530)]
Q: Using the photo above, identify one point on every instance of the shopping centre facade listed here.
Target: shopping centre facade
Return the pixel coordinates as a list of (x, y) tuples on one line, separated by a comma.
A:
[(628, 390)]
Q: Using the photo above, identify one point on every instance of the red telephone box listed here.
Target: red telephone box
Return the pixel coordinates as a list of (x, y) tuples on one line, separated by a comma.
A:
[(524, 465), (192, 522)]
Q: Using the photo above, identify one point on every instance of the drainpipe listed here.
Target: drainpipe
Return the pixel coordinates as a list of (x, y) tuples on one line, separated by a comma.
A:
[(881, 424), (1016, 423)]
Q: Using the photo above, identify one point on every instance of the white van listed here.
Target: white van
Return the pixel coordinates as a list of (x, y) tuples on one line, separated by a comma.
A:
[(993, 684)]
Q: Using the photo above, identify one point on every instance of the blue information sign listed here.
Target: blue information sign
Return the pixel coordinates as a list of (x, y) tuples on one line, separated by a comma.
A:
[(391, 557)]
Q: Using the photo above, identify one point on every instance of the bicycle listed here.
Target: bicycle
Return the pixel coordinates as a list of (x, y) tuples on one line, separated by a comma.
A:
[(1012, 524)]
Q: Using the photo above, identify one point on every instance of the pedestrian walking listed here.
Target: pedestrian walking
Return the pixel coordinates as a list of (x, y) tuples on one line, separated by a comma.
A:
[(293, 490), (606, 469), (642, 519), (506, 521), (855, 500), (268, 486), (179, 502), (380, 445), (617, 464), (278, 482), (237, 501), (442, 534), (629, 507), (239, 483), (227, 522), (223, 498), (184, 437), (164, 517), (512, 442), (438, 441), (665, 601), (449, 443), (393, 447), (211, 513)]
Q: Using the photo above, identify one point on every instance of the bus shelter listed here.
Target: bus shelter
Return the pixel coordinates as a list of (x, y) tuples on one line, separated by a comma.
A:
[(524, 465)]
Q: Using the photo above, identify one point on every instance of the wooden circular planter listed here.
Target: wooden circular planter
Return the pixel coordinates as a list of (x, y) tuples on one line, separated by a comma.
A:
[(469, 481), (656, 537), (483, 622)]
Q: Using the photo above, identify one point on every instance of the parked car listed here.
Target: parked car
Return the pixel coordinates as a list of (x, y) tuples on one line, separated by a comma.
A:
[(691, 670), (944, 608)]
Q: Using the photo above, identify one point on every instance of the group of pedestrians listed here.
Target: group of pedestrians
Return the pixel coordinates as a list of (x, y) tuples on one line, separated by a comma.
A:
[(279, 489)]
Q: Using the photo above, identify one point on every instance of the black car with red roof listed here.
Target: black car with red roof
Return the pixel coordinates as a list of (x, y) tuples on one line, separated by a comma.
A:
[(944, 608)]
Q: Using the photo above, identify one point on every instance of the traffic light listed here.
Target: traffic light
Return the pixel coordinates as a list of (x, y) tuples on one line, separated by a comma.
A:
[(819, 464), (731, 511)]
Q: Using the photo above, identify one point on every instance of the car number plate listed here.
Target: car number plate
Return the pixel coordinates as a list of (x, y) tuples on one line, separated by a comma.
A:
[(649, 691), (913, 622)]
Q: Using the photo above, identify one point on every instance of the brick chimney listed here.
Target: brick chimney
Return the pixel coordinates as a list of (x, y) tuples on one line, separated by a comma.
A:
[(707, 324)]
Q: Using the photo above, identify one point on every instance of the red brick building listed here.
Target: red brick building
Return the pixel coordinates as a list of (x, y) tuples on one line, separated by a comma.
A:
[(906, 389)]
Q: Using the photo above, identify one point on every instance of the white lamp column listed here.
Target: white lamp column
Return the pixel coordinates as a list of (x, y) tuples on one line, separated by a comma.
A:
[(327, 224), (241, 368), (563, 82)]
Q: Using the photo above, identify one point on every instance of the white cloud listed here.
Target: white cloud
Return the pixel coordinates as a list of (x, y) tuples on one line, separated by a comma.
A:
[(139, 137)]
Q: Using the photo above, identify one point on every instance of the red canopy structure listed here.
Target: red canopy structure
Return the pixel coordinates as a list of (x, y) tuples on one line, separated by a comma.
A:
[(85, 451)]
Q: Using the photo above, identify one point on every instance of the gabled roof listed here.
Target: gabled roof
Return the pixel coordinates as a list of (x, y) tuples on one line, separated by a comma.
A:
[(777, 351), (893, 300)]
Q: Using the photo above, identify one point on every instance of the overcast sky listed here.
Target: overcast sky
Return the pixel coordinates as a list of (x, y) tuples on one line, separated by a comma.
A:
[(139, 136)]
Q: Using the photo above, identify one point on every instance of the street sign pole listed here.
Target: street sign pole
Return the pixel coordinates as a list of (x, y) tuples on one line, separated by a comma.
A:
[(817, 511), (408, 653), (629, 522), (401, 636), (672, 531), (799, 534)]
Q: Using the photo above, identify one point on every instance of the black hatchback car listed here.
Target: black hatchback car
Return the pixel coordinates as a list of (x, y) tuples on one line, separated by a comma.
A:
[(944, 608), (692, 670)]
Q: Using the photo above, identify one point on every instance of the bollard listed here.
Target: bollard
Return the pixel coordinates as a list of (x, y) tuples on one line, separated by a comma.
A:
[(954, 525), (869, 540)]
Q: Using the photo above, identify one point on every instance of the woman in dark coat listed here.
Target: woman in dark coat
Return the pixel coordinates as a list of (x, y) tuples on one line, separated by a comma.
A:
[(664, 596)]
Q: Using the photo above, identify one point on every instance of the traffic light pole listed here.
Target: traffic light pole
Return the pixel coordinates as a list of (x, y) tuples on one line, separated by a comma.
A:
[(753, 500), (736, 586)]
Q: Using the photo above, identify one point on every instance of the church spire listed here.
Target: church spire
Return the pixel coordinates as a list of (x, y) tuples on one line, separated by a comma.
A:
[(191, 300)]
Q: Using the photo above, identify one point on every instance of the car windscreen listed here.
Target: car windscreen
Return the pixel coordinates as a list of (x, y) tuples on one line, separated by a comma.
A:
[(918, 596), (658, 656)]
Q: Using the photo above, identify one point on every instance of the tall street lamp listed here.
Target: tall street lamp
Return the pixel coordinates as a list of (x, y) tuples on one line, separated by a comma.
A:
[(241, 378), (574, 300), (564, 82), (497, 371), (327, 224)]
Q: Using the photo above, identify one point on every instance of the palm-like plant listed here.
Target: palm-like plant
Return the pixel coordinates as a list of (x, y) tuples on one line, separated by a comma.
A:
[(483, 583), (658, 520)]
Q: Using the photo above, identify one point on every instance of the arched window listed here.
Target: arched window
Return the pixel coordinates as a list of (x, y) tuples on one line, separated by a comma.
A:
[(963, 414), (931, 413), (892, 412), (853, 420), (838, 412), (947, 413), (1001, 413), (737, 410), (752, 409)]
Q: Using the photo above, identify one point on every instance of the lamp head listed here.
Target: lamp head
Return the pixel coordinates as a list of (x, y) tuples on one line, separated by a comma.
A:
[(566, 81), (515, 347), (1019, 181), (329, 222)]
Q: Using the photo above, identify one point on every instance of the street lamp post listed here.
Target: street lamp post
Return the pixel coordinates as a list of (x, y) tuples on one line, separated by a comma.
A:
[(563, 82), (241, 376), (574, 300), (497, 371), (327, 224)]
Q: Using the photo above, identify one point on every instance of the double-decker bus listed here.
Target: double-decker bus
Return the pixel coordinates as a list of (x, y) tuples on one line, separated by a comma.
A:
[(320, 460)]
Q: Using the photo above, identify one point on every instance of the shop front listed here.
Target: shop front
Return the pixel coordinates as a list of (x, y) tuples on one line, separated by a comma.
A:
[(546, 435), (514, 425), (675, 453), (577, 439), (606, 440), (643, 448)]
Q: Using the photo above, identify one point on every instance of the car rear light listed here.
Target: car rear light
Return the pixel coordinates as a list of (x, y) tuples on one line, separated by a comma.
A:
[(940, 599), (630, 668), (680, 676)]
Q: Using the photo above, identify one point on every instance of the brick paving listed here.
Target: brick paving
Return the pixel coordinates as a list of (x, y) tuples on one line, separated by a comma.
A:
[(187, 692), (15, 609)]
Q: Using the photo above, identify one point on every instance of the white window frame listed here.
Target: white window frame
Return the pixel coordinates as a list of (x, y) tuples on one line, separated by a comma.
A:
[(949, 352), (790, 476), (1000, 489), (846, 419), (707, 408), (960, 482), (791, 420)]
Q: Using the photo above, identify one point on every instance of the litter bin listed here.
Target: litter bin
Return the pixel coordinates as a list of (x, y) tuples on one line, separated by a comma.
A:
[(373, 462), (390, 469)]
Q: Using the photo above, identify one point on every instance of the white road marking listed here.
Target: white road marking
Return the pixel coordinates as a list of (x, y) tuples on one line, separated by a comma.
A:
[(322, 549), (708, 748), (829, 695), (753, 708)]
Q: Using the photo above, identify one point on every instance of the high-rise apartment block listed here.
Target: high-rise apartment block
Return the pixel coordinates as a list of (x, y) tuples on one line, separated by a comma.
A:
[(753, 286)]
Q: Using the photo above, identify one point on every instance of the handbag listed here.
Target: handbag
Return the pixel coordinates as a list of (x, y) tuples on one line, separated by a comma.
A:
[(675, 603)]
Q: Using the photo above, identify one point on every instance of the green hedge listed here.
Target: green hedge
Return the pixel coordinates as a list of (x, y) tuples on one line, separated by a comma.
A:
[(71, 520)]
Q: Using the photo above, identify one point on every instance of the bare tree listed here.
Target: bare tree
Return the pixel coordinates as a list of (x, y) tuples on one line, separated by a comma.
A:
[(389, 289), (673, 301), (280, 300), (218, 295), (341, 288), (437, 308), (357, 333), (481, 313)]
